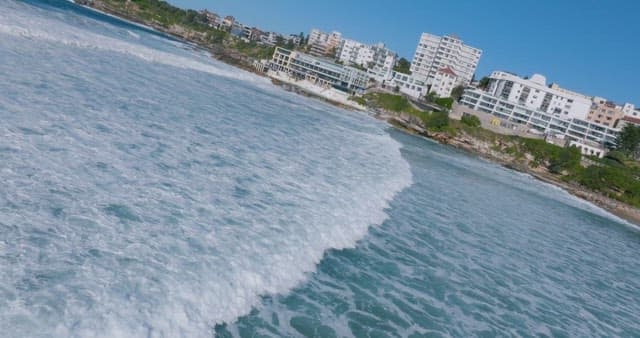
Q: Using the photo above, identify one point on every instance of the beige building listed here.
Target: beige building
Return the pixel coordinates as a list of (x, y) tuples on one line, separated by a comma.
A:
[(604, 112), (324, 44)]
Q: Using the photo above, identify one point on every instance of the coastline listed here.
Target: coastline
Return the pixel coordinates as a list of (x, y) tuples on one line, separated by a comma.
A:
[(397, 120)]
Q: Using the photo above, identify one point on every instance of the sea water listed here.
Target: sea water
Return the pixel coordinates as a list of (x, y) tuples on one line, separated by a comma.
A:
[(149, 191)]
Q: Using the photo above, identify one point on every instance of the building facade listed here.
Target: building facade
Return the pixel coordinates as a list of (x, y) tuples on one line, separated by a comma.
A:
[(406, 84), (626, 120), (534, 94), (444, 82), (434, 53), (378, 60), (318, 70), (539, 121), (324, 44), (605, 112)]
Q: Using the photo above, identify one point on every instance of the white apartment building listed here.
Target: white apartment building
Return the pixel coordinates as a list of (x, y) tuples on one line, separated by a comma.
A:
[(407, 84), (378, 60), (270, 38), (444, 82), (534, 94), (630, 110), (434, 53), (588, 148), (575, 129)]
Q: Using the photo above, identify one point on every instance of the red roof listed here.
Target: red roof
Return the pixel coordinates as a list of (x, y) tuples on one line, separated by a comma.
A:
[(448, 70)]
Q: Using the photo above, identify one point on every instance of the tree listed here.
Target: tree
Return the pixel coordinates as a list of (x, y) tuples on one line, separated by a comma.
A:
[(483, 83), (403, 66), (628, 141), (456, 93)]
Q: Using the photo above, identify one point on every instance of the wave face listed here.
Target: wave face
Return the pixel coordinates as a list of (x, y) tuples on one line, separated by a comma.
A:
[(469, 250), (148, 191)]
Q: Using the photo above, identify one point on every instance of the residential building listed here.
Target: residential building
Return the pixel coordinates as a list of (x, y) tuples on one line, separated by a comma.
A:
[(269, 38), (605, 112), (444, 82), (228, 22), (324, 44), (256, 34), (635, 121), (237, 29), (318, 70), (294, 39), (434, 53), (213, 19), (589, 148), (537, 120), (378, 60), (261, 66), (630, 110), (534, 94), (407, 84)]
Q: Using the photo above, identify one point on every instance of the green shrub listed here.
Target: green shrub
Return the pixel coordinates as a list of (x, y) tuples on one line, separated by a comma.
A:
[(446, 102), (437, 121), (470, 120)]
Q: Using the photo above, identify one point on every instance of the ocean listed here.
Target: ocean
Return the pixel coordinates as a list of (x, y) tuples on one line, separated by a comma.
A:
[(151, 191)]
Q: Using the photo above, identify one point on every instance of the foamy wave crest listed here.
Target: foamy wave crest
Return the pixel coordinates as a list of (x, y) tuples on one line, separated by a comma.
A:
[(15, 23), (133, 210)]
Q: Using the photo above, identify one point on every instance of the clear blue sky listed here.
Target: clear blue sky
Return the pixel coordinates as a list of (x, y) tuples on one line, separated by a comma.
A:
[(588, 46)]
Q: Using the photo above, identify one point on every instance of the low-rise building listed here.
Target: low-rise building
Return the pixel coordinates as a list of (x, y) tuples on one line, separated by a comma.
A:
[(534, 94), (213, 19), (605, 112), (624, 121), (324, 44), (378, 60), (237, 29), (588, 148), (256, 34), (294, 39), (443, 83), (261, 66), (406, 84), (318, 70), (535, 119), (227, 22), (270, 38), (630, 110)]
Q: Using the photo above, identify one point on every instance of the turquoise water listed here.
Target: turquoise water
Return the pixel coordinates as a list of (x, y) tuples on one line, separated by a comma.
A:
[(149, 191)]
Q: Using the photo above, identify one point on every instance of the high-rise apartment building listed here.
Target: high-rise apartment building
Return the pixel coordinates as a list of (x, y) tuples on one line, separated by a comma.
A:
[(435, 53)]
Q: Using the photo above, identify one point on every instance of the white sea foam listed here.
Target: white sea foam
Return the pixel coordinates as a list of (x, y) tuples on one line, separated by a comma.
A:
[(23, 25), (129, 209)]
